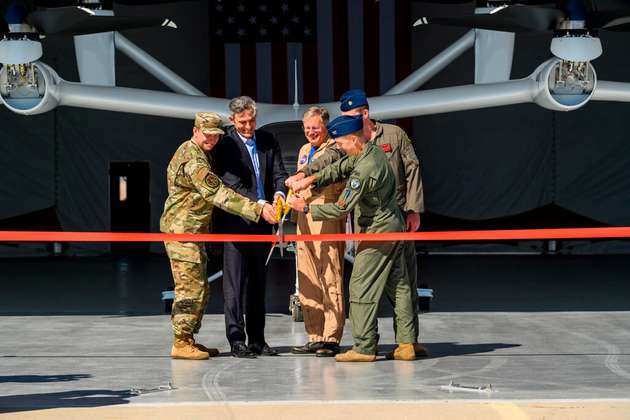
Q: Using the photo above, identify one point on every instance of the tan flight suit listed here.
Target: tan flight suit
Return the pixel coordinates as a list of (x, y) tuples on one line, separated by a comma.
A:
[(193, 192), (320, 264), (402, 157)]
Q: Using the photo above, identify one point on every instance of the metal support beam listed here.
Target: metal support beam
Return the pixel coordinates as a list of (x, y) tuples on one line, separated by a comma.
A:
[(611, 91), (435, 65), (154, 67)]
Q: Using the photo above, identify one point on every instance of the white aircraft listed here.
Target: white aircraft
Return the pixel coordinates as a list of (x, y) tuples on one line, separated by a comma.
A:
[(565, 82)]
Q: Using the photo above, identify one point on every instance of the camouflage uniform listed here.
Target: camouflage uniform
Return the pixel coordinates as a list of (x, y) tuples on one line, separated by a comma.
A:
[(193, 191), (409, 192)]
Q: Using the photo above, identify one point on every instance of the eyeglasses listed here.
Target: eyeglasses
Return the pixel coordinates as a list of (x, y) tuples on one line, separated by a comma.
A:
[(312, 128)]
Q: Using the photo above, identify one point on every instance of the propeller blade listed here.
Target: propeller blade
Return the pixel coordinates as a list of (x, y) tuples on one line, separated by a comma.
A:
[(81, 21), (507, 19), (147, 2), (484, 3), (612, 20)]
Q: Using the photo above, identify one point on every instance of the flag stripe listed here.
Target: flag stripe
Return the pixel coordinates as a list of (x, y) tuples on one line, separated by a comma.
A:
[(263, 72), (355, 44), (232, 69), (324, 49), (340, 47), (217, 69), (279, 70), (248, 69), (371, 47), (387, 45), (310, 80)]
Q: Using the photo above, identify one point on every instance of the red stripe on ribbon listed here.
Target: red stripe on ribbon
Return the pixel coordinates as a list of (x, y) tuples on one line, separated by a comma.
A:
[(469, 235)]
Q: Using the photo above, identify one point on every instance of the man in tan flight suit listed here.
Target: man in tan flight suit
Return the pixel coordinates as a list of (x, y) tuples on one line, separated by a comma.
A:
[(193, 191), (320, 264), (409, 192)]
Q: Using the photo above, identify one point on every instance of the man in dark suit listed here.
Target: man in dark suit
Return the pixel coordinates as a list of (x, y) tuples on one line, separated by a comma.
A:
[(250, 162)]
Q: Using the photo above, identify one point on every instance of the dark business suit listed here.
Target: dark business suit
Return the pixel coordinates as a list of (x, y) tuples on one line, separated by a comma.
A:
[(244, 271)]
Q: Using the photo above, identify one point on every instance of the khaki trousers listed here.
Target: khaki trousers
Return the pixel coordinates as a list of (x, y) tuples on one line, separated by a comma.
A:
[(320, 280)]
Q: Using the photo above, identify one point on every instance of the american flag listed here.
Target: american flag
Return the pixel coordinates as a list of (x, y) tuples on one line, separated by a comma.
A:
[(338, 45)]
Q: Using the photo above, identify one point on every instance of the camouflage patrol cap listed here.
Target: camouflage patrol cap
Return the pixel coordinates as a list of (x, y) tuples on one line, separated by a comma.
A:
[(208, 122)]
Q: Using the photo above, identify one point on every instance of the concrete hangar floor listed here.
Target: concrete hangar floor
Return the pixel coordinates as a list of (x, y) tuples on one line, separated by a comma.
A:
[(510, 337)]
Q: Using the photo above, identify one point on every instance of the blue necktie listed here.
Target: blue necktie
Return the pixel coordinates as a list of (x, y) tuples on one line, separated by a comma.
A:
[(311, 153), (260, 191)]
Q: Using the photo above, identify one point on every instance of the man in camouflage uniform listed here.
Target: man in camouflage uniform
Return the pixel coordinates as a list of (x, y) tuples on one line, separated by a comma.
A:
[(378, 266), (193, 191), (409, 192)]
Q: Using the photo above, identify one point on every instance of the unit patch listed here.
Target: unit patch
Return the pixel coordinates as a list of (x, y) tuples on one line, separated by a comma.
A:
[(355, 184), (213, 183)]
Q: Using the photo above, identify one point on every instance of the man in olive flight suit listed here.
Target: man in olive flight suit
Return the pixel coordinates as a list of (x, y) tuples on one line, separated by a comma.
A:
[(193, 191), (378, 266), (409, 192)]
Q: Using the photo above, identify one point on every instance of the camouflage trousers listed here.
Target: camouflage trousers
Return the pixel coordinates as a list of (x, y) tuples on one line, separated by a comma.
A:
[(188, 265)]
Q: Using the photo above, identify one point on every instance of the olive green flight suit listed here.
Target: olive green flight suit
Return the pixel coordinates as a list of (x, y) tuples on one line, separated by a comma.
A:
[(409, 192), (378, 266), (193, 191)]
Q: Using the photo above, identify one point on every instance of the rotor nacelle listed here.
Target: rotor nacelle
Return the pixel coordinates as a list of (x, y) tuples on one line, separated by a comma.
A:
[(28, 88), (564, 85)]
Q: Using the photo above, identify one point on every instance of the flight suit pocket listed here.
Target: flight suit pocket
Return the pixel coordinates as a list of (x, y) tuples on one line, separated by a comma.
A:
[(184, 251)]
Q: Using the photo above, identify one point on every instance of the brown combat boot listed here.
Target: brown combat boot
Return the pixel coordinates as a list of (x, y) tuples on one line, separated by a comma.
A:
[(184, 348), (353, 356), (420, 350), (404, 351)]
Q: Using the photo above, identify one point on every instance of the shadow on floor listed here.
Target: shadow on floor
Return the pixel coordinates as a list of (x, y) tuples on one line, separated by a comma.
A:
[(67, 399), (28, 379)]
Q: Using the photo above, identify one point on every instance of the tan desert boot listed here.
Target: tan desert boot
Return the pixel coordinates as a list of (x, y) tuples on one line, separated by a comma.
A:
[(404, 351), (420, 350), (212, 352), (353, 356), (184, 348)]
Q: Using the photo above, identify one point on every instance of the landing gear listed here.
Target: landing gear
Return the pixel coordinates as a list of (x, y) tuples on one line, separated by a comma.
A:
[(296, 309)]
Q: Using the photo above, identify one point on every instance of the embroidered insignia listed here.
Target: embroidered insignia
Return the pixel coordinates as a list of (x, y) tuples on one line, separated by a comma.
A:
[(212, 181), (303, 159), (386, 147), (355, 184), (342, 204)]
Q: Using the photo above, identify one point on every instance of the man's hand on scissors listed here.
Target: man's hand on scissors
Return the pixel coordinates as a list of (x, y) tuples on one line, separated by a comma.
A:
[(269, 214)]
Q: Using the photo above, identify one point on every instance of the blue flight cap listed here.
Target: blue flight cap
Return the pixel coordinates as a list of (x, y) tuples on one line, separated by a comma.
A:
[(353, 98), (344, 125)]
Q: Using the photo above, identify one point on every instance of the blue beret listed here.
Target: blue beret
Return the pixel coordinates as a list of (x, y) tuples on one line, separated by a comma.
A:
[(353, 98), (344, 125)]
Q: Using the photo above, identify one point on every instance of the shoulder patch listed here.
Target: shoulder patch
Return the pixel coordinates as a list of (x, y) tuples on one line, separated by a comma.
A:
[(212, 182), (303, 159), (355, 184), (341, 203)]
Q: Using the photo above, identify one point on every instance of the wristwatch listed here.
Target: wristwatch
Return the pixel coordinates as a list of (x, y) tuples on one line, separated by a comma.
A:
[(305, 209)]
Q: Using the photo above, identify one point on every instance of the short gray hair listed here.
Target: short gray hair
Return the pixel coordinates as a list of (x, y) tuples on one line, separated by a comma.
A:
[(317, 111), (242, 103)]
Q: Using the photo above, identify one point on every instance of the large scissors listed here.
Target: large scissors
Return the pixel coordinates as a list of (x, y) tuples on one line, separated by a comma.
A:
[(281, 216)]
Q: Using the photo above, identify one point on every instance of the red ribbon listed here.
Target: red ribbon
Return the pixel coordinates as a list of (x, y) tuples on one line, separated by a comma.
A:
[(469, 235)]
